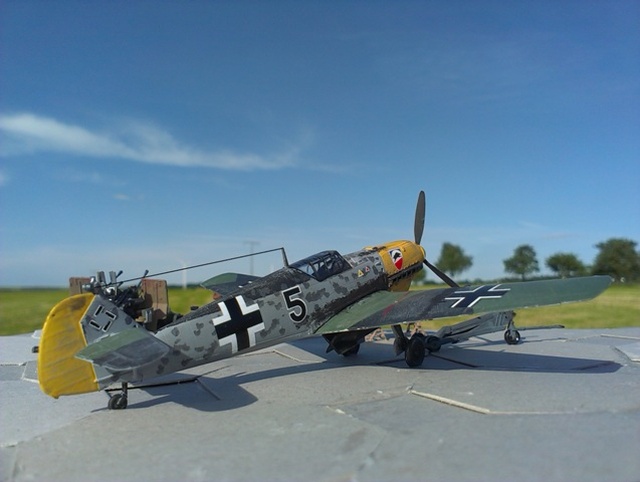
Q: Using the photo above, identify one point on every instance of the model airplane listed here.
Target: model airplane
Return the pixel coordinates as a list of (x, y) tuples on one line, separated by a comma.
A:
[(109, 333)]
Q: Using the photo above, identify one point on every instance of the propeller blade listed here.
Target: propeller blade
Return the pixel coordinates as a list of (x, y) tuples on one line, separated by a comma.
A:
[(418, 228), (441, 274), (418, 225)]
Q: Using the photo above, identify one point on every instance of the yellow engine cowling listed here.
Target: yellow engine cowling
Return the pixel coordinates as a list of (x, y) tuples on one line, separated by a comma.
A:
[(401, 260), (59, 372)]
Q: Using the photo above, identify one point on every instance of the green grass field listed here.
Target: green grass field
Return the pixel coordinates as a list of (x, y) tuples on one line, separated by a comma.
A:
[(23, 311)]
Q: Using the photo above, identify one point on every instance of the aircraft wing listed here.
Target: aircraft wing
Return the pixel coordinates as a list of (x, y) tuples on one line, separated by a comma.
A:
[(390, 308)]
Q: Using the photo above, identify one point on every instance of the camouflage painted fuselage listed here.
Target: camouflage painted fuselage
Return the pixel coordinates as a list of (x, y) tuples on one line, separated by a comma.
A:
[(288, 304), (282, 306)]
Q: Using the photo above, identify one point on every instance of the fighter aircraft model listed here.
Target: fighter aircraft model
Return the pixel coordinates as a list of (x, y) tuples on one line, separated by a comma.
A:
[(108, 333)]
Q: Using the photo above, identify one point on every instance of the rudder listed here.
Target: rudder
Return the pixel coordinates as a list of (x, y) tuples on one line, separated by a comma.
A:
[(59, 371)]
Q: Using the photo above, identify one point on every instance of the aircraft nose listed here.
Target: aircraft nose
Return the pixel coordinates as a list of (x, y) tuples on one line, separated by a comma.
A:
[(402, 258)]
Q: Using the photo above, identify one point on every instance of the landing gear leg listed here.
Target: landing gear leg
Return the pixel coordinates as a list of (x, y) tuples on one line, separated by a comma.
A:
[(400, 342), (119, 401)]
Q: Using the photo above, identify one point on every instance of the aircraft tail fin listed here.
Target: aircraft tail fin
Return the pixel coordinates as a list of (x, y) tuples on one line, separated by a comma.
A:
[(89, 340), (59, 371)]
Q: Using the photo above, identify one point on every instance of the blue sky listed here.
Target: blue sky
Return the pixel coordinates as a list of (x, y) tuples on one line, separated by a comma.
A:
[(152, 135)]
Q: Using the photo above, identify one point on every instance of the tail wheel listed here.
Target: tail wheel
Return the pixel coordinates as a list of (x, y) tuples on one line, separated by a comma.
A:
[(118, 402)]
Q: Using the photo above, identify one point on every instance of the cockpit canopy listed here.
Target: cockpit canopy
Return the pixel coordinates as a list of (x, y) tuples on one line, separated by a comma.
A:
[(322, 265)]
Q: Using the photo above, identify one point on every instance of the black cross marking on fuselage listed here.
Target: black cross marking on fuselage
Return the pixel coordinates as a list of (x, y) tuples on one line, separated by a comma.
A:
[(238, 323), (468, 298)]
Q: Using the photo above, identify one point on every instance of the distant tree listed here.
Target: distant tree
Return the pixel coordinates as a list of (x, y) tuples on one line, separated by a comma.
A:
[(523, 262), (619, 259), (453, 260), (565, 265)]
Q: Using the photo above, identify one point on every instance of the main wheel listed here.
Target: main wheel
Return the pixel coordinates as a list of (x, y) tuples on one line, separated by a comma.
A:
[(512, 337), (415, 352), (118, 402)]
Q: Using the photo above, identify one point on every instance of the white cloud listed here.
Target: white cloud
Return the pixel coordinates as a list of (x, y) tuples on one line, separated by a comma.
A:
[(141, 143), (71, 174)]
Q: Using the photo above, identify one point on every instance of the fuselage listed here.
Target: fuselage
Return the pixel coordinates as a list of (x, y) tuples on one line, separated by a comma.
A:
[(287, 304)]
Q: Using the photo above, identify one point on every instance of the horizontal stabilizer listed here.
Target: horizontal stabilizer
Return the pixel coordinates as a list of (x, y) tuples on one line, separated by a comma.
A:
[(227, 283), (125, 351)]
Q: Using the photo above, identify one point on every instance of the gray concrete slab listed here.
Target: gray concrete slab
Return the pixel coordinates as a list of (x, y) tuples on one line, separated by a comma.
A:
[(563, 405)]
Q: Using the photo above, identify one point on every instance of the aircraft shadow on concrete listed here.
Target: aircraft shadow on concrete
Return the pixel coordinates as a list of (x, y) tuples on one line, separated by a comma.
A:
[(209, 393)]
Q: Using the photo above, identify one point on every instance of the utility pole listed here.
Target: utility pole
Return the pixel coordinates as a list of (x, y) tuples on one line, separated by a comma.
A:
[(184, 274), (252, 245)]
